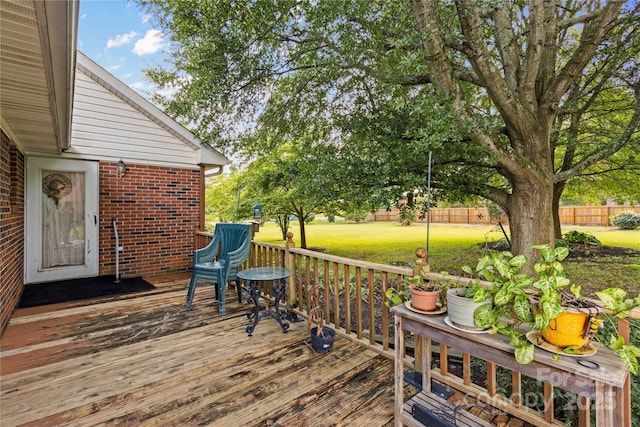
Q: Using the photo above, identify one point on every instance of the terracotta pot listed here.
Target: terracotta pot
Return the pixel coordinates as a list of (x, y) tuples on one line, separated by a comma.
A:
[(424, 300)]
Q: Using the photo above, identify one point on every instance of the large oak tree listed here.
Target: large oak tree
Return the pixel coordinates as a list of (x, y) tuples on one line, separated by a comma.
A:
[(514, 98)]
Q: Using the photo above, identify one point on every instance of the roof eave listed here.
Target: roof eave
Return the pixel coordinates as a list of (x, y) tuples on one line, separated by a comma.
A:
[(58, 28)]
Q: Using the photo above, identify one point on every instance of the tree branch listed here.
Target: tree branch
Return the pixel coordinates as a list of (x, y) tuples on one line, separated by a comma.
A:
[(624, 139), (594, 32)]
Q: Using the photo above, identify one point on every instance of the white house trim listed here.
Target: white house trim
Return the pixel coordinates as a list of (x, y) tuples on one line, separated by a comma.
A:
[(119, 99)]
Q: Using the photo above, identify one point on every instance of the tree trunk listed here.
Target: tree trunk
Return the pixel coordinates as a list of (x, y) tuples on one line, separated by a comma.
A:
[(557, 194), (283, 223), (303, 233), (531, 217)]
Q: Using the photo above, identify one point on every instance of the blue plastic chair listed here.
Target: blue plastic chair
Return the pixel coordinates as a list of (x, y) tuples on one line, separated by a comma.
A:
[(231, 244)]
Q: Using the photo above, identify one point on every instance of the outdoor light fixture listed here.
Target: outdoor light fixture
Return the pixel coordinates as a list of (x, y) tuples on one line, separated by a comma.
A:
[(121, 169)]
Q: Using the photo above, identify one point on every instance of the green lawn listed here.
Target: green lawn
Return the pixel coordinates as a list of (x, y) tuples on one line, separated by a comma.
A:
[(453, 245)]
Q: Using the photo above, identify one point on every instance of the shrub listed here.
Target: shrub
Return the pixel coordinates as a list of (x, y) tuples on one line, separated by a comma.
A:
[(580, 237), (627, 220), (407, 215)]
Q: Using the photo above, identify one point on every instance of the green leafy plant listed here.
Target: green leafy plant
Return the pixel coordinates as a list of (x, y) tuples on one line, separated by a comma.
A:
[(580, 237), (619, 306), (421, 282), (407, 215), (513, 291), (626, 220)]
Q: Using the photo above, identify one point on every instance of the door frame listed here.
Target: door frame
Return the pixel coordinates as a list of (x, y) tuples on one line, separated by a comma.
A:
[(34, 165)]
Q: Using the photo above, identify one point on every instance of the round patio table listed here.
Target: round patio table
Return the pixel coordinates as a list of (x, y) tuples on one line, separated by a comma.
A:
[(277, 275)]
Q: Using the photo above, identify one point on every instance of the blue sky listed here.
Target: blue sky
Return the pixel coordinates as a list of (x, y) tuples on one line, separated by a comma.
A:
[(119, 37)]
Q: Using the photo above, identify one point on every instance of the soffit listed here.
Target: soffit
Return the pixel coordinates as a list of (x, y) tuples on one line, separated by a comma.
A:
[(37, 56)]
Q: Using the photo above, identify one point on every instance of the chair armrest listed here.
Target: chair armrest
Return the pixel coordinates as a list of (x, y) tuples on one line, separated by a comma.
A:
[(209, 252)]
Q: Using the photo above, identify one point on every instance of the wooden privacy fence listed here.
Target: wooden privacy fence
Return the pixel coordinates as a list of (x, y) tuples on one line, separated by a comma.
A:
[(354, 299), (569, 215)]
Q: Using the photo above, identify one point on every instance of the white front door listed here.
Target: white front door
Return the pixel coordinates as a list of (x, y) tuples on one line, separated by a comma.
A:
[(61, 219)]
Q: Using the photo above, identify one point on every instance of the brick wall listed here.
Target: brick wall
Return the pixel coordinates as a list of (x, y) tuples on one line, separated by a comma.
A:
[(157, 212), (11, 228)]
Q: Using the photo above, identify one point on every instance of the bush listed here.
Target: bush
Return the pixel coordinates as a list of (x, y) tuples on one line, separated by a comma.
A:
[(627, 220), (407, 215), (580, 237)]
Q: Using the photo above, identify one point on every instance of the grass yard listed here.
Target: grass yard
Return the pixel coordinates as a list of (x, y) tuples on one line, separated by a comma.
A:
[(453, 245)]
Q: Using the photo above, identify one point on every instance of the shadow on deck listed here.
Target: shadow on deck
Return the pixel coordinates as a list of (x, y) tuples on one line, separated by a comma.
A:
[(144, 359)]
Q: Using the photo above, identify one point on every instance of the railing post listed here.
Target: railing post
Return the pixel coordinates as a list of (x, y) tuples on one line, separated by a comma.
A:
[(624, 329), (419, 267), (290, 264)]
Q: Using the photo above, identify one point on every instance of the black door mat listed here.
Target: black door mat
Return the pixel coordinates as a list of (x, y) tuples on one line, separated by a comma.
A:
[(71, 290)]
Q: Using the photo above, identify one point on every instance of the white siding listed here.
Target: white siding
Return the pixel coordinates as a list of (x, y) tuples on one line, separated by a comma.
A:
[(107, 128)]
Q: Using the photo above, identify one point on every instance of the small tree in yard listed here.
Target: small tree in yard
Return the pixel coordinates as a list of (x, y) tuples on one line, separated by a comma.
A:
[(293, 180)]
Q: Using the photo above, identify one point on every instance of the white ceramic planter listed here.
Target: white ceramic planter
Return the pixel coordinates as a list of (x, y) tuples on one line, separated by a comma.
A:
[(461, 309)]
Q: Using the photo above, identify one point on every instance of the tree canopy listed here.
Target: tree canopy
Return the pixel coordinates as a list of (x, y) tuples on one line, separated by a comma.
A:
[(514, 98)]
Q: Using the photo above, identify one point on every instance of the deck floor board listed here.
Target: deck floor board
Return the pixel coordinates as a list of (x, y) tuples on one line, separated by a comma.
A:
[(143, 359)]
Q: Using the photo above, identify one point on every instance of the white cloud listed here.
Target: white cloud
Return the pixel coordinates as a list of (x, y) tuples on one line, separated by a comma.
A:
[(145, 18), (139, 86), (167, 92), (121, 39), (150, 43), (114, 67)]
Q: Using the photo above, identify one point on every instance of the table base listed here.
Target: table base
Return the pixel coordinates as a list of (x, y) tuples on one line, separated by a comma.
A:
[(280, 314)]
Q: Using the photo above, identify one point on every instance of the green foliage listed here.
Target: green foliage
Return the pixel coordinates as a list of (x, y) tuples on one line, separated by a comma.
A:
[(423, 281), (608, 330), (514, 291), (356, 215), (407, 215), (360, 76), (581, 237), (627, 220), (292, 180), (495, 211)]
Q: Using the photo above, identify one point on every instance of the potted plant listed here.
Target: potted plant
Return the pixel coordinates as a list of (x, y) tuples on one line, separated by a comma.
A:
[(463, 302), (425, 294), (322, 336), (543, 307)]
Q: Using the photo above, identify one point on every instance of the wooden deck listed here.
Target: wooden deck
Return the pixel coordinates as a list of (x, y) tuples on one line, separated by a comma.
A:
[(143, 359)]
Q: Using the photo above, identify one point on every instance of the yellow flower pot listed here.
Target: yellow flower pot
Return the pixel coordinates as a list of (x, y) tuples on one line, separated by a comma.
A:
[(568, 329)]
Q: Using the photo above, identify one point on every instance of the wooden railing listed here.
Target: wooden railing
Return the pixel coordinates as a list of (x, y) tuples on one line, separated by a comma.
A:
[(354, 303), (352, 292)]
